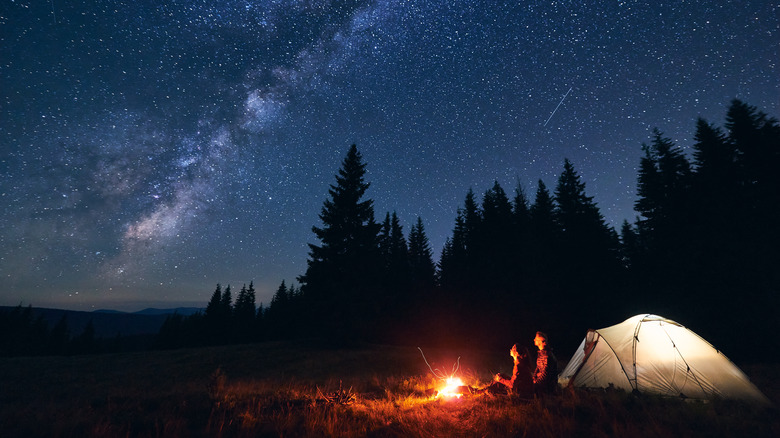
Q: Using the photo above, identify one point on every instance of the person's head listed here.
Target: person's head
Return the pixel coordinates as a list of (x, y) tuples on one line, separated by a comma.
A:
[(540, 340)]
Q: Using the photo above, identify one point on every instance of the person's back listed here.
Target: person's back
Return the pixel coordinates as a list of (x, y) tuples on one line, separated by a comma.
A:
[(522, 383)]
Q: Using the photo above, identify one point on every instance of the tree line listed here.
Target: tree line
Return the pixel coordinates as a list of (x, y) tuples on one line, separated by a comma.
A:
[(702, 250), (22, 333)]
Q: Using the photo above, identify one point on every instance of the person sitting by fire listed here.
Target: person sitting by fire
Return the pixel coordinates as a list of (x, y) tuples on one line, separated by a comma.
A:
[(525, 381), (545, 376), (520, 383)]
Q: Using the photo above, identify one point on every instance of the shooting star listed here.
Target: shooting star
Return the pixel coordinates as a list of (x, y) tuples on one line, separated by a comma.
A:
[(556, 108)]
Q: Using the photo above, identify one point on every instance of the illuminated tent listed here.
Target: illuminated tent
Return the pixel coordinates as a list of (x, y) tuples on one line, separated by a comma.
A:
[(654, 355)]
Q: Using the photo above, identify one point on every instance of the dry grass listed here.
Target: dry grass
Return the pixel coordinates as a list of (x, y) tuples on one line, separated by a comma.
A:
[(278, 390)]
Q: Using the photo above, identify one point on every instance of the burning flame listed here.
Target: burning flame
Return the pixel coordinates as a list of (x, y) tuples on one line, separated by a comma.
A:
[(451, 390), (453, 384)]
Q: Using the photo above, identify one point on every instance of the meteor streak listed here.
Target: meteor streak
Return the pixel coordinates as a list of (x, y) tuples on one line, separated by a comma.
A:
[(559, 104)]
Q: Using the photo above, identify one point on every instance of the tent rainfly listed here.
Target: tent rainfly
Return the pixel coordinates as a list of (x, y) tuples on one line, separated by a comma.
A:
[(654, 355)]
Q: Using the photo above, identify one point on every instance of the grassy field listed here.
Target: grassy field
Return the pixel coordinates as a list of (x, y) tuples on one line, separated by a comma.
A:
[(281, 389)]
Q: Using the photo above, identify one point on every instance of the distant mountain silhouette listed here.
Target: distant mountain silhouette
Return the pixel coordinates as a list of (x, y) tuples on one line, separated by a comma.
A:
[(110, 323), (184, 311)]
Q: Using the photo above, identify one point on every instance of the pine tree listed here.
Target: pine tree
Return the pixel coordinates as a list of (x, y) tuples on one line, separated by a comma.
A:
[(628, 244), (461, 262), (472, 218), (709, 233), (495, 253), (445, 269), (542, 216), (543, 224), (666, 210), (715, 207), (244, 314), (470, 242), (251, 295), (755, 138), (339, 285), (544, 245), (588, 257), (520, 209), (649, 191), (226, 304), (520, 238), (399, 252), (213, 306), (394, 252), (383, 240), (714, 158), (261, 323), (396, 278), (580, 221), (278, 313), (663, 189), (218, 317), (453, 261), (244, 309), (422, 267)]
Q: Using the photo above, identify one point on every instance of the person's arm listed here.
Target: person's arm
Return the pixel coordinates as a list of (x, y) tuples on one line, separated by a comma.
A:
[(510, 381)]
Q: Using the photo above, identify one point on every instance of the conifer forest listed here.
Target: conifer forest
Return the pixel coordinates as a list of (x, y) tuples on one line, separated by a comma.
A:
[(703, 250)]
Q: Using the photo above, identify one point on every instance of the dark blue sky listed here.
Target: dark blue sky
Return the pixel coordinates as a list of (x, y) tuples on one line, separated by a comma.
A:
[(150, 150)]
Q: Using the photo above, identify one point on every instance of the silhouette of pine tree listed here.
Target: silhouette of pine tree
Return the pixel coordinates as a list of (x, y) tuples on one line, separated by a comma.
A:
[(544, 243), (213, 306), (452, 262), (244, 313), (520, 239), (215, 319), (395, 296), (588, 252), (664, 225), (422, 267), (494, 253), (340, 280), (629, 243), (278, 314), (756, 140)]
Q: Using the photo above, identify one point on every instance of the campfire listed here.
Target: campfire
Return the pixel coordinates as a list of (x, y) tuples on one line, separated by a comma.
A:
[(453, 386)]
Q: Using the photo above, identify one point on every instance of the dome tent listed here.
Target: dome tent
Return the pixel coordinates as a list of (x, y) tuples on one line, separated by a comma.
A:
[(654, 355)]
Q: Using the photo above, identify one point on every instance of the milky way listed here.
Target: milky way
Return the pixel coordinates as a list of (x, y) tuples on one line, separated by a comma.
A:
[(153, 149)]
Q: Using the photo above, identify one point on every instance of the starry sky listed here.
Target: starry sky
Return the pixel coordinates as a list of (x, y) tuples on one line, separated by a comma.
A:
[(152, 149)]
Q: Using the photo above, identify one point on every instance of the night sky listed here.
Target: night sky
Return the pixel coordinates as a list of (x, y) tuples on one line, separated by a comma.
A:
[(152, 149)]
